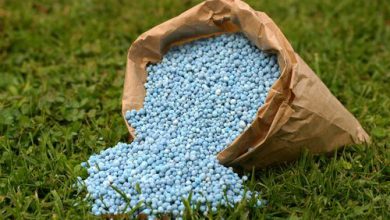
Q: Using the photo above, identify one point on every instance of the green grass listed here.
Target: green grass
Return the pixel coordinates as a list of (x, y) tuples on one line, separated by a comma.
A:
[(61, 74)]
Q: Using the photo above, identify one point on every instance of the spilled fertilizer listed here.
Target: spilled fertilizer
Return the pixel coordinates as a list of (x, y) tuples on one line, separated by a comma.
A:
[(199, 98)]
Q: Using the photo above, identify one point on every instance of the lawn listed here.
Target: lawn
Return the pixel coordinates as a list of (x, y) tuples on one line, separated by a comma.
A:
[(61, 74)]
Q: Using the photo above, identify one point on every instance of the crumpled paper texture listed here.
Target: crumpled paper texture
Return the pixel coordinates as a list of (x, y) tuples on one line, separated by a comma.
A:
[(299, 112)]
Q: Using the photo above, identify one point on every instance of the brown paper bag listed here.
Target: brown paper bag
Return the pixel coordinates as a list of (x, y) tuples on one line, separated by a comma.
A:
[(299, 112)]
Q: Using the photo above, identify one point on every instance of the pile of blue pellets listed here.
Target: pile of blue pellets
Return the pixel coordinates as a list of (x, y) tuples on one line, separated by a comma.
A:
[(199, 98)]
